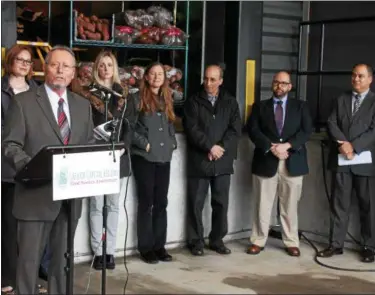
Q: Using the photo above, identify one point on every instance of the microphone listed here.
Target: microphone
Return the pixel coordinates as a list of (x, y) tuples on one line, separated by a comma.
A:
[(94, 87)]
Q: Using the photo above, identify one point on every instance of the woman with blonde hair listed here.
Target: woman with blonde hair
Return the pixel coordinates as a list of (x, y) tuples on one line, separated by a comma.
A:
[(105, 73), (153, 142)]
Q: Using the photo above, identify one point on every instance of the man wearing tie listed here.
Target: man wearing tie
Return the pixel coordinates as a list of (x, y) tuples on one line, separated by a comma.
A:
[(351, 127), (279, 127), (48, 115)]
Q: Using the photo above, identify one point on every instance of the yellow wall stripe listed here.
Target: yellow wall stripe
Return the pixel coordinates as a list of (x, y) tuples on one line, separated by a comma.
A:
[(250, 87)]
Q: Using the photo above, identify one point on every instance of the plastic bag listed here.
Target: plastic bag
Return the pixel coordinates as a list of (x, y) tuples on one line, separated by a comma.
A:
[(84, 73), (125, 34), (173, 37), (138, 19), (162, 16)]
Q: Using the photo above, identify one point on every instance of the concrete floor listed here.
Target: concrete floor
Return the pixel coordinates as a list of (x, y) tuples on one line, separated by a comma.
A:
[(272, 272)]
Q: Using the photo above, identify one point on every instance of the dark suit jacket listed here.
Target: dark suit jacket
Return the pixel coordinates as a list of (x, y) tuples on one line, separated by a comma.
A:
[(262, 130), (358, 129), (29, 126)]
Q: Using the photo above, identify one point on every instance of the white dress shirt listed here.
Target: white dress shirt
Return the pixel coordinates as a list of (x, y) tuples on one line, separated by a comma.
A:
[(54, 100)]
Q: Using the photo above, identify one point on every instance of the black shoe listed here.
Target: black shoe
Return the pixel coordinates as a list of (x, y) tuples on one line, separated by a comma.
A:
[(110, 263), (221, 249), (367, 255), (196, 250), (42, 274), (163, 255), (330, 251), (149, 257), (98, 262)]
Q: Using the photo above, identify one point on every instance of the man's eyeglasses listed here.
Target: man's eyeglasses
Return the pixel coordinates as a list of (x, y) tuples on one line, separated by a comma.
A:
[(281, 83), (23, 61), (65, 68)]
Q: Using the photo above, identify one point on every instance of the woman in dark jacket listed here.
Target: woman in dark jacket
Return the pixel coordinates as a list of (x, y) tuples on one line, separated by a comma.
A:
[(153, 142), (105, 73), (17, 79)]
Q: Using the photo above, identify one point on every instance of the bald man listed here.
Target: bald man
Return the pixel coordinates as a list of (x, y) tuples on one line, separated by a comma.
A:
[(279, 127), (212, 124), (351, 126)]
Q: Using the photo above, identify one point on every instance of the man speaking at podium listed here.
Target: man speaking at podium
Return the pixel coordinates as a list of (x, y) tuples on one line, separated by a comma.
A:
[(48, 115)]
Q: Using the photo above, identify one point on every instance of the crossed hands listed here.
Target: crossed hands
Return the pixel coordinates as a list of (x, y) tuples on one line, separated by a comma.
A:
[(216, 153), (346, 149), (280, 150)]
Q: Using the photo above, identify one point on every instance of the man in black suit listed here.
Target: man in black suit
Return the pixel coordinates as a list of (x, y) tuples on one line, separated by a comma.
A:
[(351, 126), (279, 127), (212, 124), (48, 115)]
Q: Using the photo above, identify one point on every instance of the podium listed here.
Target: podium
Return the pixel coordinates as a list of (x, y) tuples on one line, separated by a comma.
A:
[(57, 166)]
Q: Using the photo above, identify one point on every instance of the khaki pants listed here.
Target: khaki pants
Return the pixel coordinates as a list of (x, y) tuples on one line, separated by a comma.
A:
[(288, 189)]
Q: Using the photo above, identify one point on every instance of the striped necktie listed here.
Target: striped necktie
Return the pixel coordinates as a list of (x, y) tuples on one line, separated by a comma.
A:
[(357, 103), (63, 122)]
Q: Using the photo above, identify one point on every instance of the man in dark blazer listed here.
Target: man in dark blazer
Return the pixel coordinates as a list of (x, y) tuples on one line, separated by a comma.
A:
[(351, 127), (212, 124), (48, 115), (279, 127)]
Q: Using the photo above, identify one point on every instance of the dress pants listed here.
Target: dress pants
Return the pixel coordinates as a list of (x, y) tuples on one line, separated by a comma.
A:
[(152, 182), (32, 239), (96, 222), (288, 189), (8, 236), (197, 193), (342, 187)]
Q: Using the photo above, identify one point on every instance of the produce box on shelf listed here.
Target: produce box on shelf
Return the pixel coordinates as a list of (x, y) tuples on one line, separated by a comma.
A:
[(91, 28)]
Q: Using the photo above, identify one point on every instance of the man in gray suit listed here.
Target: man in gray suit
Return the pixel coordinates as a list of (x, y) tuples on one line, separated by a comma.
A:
[(48, 115), (351, 126)]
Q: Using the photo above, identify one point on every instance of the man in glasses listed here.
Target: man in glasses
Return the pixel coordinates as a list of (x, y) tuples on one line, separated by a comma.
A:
[(279, 127), (37, 118)]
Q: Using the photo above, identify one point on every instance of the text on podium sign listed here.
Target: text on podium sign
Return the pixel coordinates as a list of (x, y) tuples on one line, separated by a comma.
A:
[(80, 175)]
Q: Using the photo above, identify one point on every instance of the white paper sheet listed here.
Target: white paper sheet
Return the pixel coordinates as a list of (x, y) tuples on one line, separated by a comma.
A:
[(362, 158)]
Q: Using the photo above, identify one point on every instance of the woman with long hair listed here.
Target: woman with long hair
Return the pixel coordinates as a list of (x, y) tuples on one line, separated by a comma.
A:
[(105, 73), (153, 142)]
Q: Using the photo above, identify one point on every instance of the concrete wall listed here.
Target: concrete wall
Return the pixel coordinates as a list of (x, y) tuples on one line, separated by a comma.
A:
[(314, 210)]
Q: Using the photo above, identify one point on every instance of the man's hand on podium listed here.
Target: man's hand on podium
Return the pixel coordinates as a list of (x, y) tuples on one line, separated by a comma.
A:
[(122, 151)]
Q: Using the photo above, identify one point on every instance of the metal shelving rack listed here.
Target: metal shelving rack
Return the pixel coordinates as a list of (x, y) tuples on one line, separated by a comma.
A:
[(112, 44)]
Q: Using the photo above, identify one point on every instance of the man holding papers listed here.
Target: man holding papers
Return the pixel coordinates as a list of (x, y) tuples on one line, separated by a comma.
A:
[(351, 126)]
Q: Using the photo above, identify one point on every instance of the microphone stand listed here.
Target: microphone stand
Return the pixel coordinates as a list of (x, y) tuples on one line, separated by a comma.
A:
[(106, 98)]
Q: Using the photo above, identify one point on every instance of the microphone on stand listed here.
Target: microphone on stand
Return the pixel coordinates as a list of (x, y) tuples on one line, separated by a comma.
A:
[(94, 87)]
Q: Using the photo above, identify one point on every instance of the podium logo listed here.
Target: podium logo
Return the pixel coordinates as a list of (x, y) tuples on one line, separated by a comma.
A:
[(63, 177)]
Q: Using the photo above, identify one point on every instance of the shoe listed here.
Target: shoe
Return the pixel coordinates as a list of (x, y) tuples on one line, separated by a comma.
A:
[(196, 250), (42, 274), (293, 251), (367, 255), (254, 249), (221, 249), (98, 262), (110, 263), (149, 257), (163, 255), (330, 251)]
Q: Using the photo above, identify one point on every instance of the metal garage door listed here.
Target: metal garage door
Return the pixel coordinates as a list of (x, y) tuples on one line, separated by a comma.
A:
[(279, 41)]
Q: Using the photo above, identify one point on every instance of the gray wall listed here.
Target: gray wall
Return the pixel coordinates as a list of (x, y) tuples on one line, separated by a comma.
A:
[(249, 46), (313, 208)]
